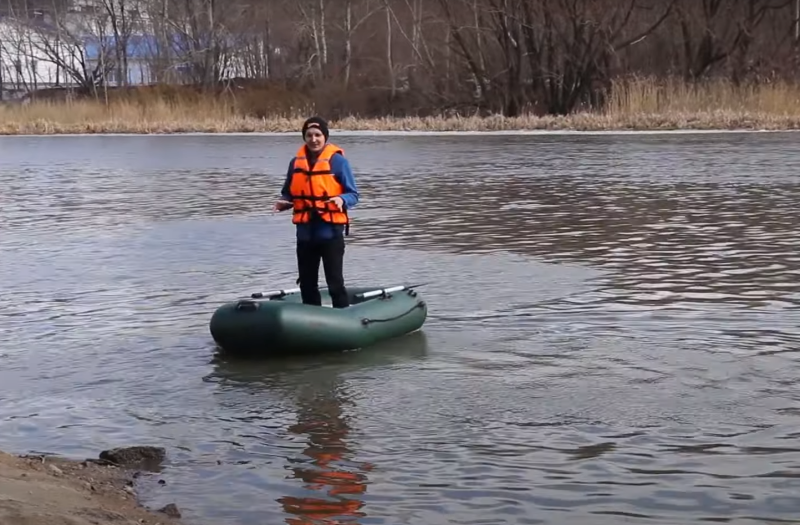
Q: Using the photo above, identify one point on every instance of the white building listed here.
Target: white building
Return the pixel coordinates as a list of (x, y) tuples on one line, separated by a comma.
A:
[(34, 56), (38, 51), (55, 49)]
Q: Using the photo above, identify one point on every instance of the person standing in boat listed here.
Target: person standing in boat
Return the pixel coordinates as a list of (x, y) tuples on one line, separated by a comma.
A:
[(320, 189)]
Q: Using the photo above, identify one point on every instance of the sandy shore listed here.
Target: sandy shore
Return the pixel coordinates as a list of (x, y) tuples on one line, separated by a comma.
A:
[(53, 491)]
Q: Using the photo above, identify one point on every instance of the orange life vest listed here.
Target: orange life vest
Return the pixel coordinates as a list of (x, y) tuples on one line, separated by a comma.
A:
[(310, 188)]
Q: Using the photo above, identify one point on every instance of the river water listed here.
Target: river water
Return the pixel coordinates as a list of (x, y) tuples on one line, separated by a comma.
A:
[(613, 331)]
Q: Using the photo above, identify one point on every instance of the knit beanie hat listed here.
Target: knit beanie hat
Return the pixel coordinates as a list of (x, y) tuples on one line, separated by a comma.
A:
[(316, 122)]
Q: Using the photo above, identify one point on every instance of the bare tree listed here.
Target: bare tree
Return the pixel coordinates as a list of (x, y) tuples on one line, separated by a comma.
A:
[(551, 53), (506, 56), (121, 21), (354, 17), (60, 39), (313, 23), (712, 31), (570, 55)]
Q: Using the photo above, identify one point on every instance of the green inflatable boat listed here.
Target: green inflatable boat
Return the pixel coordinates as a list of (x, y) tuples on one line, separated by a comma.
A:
[(278, 323)]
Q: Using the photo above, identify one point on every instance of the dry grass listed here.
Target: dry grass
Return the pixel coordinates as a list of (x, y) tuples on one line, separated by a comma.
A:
[(88, 116), (715, 104), (634, 104)]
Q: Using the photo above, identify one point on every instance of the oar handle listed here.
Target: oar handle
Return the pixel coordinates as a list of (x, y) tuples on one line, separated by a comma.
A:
[(365, 295), (384, 291), (275, 293)]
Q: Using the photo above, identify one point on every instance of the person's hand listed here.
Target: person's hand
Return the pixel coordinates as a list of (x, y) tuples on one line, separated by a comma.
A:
[(338, 202), (281, 205)]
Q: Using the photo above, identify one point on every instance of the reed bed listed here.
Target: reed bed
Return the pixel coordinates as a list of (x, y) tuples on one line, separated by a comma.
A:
[(632, 104)]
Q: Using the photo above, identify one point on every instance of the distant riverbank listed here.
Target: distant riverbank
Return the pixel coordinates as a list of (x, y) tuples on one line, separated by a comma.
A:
[(91, 118), (633, 105)]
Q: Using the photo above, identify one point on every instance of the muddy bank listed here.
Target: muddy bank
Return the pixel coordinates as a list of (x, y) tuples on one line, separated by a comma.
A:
[(45, 490)]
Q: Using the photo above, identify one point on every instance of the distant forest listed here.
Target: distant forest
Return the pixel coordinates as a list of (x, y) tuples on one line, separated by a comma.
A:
[(492, 56)]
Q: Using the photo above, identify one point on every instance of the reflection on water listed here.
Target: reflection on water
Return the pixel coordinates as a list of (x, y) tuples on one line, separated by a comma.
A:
[(612, 335), (334, 480), (328, 481), (342, 486)]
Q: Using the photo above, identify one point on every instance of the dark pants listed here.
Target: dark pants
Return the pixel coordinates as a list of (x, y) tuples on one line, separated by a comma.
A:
[(331, 253)]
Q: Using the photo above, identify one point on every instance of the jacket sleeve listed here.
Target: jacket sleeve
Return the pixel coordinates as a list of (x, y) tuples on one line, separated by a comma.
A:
[(285, 194), (344, 174)]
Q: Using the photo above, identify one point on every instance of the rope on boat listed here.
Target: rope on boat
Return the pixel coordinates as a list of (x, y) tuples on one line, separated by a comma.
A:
[(366, 320)]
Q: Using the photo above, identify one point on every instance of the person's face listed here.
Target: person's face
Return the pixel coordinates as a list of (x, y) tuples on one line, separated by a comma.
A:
[(315, 140)]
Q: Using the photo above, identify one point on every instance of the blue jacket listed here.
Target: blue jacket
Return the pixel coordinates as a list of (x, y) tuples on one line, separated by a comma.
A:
[(321, 230)]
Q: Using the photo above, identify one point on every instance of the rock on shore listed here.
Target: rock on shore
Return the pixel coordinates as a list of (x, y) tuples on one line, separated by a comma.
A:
[(45, 490), (146, 458)]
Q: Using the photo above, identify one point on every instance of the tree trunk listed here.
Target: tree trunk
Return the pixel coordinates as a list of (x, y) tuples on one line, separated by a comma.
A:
[(348, 40), (389, 58)]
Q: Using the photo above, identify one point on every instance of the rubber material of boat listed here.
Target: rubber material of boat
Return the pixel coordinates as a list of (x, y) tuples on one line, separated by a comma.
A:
[(284, 325)]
